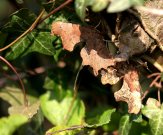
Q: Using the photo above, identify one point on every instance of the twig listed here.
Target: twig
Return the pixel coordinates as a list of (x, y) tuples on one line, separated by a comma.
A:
[(21, 83), (56, 9), (152, 61), (145, 94), (67, 129), (26, 32), (152, 75)]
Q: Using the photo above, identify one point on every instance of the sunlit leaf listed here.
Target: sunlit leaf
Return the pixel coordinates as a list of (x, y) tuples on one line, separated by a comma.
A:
[(9, 124), (14, 96), (80, 7), (121, 5), (155, 114), (99, 5), (101, 119), (58, 112), (61, 130), (124, 125), (28, 111)]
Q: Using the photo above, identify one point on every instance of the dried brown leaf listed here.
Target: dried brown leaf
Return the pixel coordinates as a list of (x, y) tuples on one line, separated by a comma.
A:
[(130, 91), (95, 52), (132, 39), (153, 23)]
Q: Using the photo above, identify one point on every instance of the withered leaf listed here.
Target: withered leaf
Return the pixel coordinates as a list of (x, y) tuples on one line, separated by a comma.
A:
[(95, 52), (130, 91), (109, 76), (153, 23)]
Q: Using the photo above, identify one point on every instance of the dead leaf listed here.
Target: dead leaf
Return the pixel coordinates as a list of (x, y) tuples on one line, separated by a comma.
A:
[(109, 76), (95, 52), (69, 33), (132, 39), (130, 91)]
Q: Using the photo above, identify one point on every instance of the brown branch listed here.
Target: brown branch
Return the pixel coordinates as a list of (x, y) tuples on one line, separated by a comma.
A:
[(152, 75), (21, 82)]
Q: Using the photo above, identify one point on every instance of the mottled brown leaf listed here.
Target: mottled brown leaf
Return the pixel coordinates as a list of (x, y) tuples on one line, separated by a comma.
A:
[(95, 52), (130, 91), (153, 23)]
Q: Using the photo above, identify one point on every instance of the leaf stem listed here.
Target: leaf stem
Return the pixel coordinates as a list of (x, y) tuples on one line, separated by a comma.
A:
[(21, 82)]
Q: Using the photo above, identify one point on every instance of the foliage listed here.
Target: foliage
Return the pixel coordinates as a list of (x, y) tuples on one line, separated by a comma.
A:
[(113, 52)]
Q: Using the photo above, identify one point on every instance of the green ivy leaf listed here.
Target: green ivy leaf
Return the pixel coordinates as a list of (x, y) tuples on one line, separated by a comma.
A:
[(33, 42), (99, 5), (102, 119), (124, 125), (155, 115), (19, 22), (96, 5), (56, 112), (121, 5), (9, 124), (80, 7)]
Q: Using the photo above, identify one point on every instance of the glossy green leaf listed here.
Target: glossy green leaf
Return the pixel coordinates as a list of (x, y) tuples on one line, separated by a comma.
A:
[(155, 115), (19, 22), (124, 125), (35, 41), (9, 124), (58, 112), (121, 5)]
